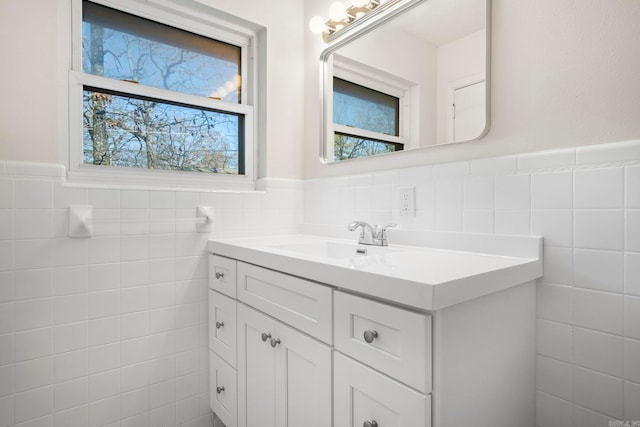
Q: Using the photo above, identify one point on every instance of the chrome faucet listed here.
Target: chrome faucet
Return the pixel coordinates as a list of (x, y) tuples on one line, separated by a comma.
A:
[(371, 234)]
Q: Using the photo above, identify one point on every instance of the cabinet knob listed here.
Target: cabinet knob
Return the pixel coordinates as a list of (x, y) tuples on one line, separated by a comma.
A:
[(369, 336), (219, 390), (219, 325), (275, 342), (265, 336), (371, 423), (219, 275)]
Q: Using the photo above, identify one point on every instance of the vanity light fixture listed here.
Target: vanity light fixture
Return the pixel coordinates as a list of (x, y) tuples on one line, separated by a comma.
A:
[(340, 17)]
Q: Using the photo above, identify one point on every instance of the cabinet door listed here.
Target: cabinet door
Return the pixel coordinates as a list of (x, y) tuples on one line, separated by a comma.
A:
[(223, 390), (222, 326), (303, 379), (363, 395), (256, 369)]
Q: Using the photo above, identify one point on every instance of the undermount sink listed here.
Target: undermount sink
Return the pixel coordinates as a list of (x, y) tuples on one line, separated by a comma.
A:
[(335, 250)]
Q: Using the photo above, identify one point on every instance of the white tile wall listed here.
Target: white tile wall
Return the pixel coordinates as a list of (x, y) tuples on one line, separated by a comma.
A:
[(554, 377), (598, 392), (598, 351), (554, 339), (111, 330), (586, 203)]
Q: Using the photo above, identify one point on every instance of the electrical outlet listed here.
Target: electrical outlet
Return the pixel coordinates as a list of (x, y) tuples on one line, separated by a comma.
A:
[(407, 201)]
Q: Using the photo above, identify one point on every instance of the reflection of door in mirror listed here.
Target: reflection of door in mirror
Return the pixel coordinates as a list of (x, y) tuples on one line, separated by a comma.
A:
[(467, 115)]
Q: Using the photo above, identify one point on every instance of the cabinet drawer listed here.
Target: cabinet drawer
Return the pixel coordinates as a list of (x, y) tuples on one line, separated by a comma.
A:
[(223, 394), (222, 275), (222, 326), (362, 394), (400, 339), (300, 303)]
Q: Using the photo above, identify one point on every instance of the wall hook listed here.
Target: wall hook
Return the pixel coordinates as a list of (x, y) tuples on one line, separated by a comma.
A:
[(80, 221)]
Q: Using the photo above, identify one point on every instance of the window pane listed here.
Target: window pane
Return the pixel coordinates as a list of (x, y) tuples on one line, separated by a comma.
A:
[(125, 47), (363, 108), (351, 147), (122, 130)]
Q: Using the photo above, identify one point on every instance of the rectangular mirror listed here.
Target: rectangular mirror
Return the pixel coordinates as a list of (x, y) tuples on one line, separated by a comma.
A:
[(415, 75)]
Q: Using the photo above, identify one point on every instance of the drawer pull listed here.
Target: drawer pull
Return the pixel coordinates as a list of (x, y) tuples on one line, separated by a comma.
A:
[(219, 325), (219, 275), (371, 423), (369, 336), (265, 336), (275, 342), (219, 390)]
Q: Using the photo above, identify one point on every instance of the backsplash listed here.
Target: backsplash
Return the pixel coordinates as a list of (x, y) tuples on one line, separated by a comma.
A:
[(112, 329), (586, 204)]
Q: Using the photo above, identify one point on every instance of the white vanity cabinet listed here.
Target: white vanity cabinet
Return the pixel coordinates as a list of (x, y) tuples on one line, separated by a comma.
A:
[(291, 347), (263, 371)]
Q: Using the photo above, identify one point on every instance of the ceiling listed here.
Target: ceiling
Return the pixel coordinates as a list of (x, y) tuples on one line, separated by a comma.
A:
[(441, 21)]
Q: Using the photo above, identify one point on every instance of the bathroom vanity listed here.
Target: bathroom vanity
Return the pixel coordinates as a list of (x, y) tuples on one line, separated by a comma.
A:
[(313, 331)]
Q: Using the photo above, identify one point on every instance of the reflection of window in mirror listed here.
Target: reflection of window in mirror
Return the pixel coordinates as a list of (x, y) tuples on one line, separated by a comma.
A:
[(358, 112), (370, 110), (436, 51)]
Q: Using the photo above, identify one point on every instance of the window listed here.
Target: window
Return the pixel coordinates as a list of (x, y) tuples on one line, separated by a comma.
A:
[(359, 113), (156, 98), (370, 110)]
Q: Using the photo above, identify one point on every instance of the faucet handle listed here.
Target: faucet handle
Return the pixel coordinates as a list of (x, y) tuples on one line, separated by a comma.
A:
[(382, 234), (383, 230)]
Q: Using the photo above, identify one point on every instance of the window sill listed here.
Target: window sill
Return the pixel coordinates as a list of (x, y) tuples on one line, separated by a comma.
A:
[(116, 177)]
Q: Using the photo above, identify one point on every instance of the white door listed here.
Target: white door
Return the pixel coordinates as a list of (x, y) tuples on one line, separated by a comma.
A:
[(256, 369), (303, 380), (469, 114)]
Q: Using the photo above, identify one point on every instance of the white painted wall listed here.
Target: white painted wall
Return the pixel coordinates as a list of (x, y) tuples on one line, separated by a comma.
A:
[(457, 60), (565, 73), (29, 81), (283, 126)]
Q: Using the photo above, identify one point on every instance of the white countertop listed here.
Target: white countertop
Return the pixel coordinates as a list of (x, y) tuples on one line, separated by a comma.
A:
[(427, 278)]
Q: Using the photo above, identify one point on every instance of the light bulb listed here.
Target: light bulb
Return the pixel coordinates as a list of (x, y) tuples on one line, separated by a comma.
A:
[(316, 25), (337, 11), (359, 3)]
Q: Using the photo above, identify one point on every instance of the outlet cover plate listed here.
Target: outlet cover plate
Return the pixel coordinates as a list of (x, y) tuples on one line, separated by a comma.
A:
[(407, 201)]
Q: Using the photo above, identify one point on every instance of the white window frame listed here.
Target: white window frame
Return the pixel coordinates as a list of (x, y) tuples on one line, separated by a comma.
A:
[(364, 75), (187, 16)]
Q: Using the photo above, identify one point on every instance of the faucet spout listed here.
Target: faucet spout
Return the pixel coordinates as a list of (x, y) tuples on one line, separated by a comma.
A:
[(368, 233), (365, 226)]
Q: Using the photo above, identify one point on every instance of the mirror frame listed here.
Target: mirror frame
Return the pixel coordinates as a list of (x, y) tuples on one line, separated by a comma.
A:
[(365, 25)]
